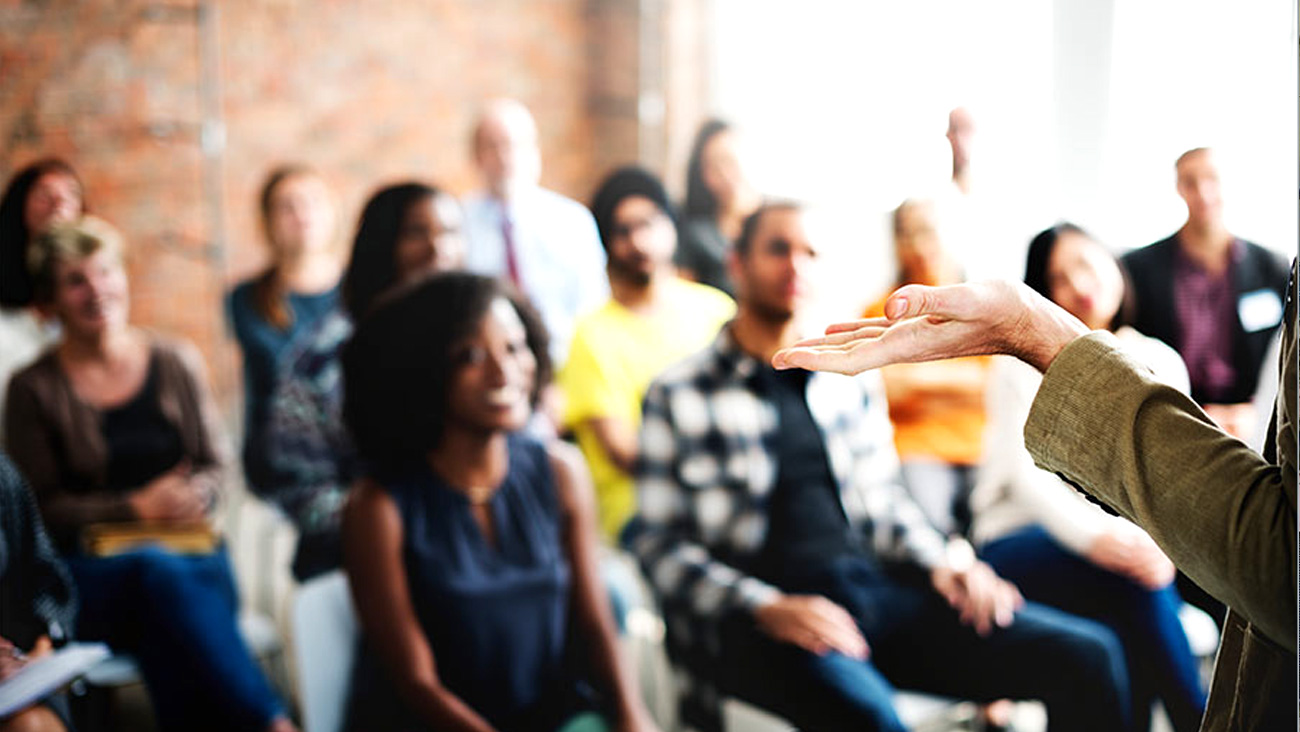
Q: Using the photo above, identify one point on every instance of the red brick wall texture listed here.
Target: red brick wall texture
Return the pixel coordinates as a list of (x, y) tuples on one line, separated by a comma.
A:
[(366, 92)]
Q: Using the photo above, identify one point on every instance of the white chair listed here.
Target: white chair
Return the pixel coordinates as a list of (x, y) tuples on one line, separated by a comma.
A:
[(1202, 633), (324, 646)]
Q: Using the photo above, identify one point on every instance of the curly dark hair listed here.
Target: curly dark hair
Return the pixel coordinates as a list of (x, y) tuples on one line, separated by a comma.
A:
[(16, 287), (397, 366)]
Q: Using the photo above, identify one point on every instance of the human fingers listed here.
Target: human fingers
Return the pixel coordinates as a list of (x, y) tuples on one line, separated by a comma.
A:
[(1153, 570), (967, 301), (857, 354), (845, 337), (1009, 600), (853, 325), (981, 586), (846, 359), (839, 629), (813, 624)]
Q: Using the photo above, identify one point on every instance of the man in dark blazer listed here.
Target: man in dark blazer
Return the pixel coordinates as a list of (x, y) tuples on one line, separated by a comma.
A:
[(1213, 297)]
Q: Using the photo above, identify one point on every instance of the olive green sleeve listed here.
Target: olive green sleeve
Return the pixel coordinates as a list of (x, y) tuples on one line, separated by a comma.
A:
[(1223, 514)]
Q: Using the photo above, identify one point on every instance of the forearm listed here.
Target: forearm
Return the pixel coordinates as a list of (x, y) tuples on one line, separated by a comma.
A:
[(66, 512), (612, 669), (1043, 334), (680, 568), (1222, 513), (441, 709), (618, 440)]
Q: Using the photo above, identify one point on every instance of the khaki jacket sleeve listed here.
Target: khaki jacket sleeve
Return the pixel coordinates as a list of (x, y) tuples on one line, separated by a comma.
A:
[(1223, 514)]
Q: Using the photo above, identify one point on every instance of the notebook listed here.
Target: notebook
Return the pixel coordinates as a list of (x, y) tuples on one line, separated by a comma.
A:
[(45, 675), (107, 539)]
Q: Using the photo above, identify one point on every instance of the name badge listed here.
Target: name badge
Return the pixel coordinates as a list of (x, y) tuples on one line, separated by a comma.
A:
[(1259, 310)]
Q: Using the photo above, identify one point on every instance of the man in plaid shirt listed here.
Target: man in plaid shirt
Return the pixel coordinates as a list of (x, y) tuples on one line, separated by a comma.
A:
[(792, 568)]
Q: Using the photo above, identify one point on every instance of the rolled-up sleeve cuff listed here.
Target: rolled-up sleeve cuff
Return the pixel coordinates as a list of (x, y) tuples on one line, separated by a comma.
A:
[(754, 593)]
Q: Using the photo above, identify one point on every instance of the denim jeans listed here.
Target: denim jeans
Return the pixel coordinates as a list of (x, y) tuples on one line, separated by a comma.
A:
[(1075, 666), (177, 614), (1160, 661)]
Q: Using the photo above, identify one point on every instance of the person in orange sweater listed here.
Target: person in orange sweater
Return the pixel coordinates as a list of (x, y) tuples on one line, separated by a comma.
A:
[(937, 408)]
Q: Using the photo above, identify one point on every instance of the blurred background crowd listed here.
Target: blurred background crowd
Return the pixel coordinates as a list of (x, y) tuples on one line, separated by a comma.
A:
[(230, 232)]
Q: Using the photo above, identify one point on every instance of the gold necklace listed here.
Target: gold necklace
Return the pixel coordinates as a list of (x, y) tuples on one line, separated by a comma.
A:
[(479, 494)]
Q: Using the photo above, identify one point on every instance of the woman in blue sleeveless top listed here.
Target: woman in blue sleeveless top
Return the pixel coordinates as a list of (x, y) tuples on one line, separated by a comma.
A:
[(471, 548)]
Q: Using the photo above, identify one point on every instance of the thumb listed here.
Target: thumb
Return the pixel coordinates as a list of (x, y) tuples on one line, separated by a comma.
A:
[(910, 301)]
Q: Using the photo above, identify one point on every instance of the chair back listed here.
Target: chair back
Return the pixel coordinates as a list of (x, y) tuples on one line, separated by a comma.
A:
[(324, 641)]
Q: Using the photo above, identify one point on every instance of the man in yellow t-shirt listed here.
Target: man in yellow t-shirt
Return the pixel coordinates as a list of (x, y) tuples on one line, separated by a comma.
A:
[(652, 320)]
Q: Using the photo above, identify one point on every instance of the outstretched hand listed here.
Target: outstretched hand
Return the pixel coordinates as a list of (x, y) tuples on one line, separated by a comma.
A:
[(934, 323)]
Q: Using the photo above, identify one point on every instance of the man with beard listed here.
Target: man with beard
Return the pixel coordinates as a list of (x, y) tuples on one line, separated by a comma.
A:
[(793, 569), (653, 319)]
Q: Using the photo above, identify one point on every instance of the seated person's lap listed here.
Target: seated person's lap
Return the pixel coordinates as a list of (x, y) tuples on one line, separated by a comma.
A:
[(917, 642)]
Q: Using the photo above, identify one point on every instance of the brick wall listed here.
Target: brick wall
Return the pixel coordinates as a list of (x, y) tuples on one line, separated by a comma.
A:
[(367, 92)]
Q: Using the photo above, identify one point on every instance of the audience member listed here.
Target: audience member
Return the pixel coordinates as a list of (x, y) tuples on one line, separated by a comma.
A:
[(1216, 298), (961, 136), (543, 243), (407, 231), (937, 409), (718, 198), (40, 195), (37, 600), (1043, 535), (271, 310), (652, 320), (1221, 511), (794, 571), (986, 211), (471, 548), (114, 424)]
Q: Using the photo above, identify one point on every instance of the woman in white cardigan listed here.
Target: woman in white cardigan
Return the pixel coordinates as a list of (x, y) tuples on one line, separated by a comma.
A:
[(1046, 537)]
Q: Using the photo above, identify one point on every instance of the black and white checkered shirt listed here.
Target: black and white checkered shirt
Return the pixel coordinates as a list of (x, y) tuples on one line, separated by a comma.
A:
[(708, 466)]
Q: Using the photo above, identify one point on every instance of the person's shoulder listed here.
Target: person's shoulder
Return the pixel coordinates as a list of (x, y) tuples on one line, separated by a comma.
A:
[(1156, 355), (240, 308), (371, 502), (39, 372), (1274, 262), (1150, 253), (558, 204), (476, 201), (593, 328), (565, 460), (698, 292), (606, 315), (689, 373), (175, 354)]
